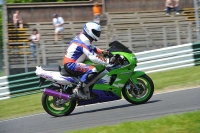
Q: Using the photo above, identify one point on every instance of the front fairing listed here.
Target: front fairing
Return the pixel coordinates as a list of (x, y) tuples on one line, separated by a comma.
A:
[(121, 75)]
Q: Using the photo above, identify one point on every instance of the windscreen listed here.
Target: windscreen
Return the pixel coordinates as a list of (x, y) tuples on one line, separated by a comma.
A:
[(118, 47)]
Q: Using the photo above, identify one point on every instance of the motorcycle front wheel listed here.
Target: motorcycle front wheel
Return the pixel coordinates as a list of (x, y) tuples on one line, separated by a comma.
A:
[(139, 93), (56, 107)]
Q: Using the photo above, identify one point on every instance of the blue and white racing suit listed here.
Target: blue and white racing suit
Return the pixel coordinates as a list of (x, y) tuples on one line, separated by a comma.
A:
[(79, 49)]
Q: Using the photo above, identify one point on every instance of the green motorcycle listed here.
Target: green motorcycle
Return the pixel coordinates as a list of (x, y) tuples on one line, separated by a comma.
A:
[(110, 84)]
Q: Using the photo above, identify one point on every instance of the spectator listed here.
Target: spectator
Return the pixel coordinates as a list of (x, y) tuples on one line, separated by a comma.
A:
[(34, 39), (172, 4), (176, 7), (17, 20), (58, 24), (96, 12)]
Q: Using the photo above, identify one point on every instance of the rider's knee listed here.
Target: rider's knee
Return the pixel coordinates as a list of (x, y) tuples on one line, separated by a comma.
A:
[(91, 76)]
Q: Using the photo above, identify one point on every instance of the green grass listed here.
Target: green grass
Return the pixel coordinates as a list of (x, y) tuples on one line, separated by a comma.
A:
[(20, 106), (173, 79), (176, 79), (181, 123)]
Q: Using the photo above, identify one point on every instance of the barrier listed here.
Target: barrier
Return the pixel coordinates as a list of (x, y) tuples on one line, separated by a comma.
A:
[(149, 61), (19, 85), (169, 58)]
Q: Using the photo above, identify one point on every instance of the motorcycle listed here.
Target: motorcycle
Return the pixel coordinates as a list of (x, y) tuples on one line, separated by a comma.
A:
[(110, 84)]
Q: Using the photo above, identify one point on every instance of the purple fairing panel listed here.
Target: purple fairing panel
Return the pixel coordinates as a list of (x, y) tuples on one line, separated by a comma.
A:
[(103, 96), (101, 81)]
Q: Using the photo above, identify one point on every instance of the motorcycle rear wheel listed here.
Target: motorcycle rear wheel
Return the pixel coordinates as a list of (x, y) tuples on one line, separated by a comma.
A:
[(52, 107), (146, 90)]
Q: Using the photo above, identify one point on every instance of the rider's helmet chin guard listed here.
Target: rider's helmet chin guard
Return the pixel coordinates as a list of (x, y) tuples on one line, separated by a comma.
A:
[(93, 30)]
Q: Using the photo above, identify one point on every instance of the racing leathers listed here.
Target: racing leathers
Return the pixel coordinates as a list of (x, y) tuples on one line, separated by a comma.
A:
[(79, 49)]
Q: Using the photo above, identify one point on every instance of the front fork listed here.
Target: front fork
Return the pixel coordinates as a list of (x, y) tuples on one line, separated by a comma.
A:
[(134, 81)]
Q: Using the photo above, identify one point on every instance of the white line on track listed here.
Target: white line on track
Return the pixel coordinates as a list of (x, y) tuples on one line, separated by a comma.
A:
[(22, 117), (94, 104)]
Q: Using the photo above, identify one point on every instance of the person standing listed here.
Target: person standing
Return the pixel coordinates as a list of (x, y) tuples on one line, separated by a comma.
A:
[(58, 23), (17, 20), (96, 12), (34, 39)]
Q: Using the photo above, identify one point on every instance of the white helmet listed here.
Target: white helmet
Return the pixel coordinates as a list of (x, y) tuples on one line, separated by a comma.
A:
[(93, 29)]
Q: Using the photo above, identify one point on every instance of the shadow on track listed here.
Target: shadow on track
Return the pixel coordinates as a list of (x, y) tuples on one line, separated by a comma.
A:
[(114, 107)]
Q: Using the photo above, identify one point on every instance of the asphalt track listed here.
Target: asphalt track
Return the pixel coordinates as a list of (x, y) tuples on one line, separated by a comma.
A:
[(106, 113)]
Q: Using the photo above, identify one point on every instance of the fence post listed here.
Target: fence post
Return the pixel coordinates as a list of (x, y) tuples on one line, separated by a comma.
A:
[(25, 58), (178, 33), (113, 37), (189, 34), (38, 53), (38, 27), (5, 37), (107, 37), (103, 6), (44, 53), (164, 36), (147, 38), (196, 10), (130, 39)]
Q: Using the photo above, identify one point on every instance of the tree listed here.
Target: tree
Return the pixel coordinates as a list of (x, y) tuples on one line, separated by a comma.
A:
[(29, 1)]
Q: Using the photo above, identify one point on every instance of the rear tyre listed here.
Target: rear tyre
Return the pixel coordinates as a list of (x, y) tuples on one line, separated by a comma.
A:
[(55, 106), (145, 92)]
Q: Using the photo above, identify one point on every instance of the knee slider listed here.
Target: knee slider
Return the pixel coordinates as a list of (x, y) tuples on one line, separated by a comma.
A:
[(91, 76)]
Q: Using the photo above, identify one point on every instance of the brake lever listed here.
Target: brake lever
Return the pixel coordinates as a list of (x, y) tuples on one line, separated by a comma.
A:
[(110, 54)]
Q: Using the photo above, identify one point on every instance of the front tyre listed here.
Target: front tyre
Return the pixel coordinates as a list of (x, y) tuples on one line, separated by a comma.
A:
[(56, 107), (140, 94)]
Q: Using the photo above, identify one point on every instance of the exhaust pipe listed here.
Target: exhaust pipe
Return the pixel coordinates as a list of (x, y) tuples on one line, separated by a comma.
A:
[(56, 94)]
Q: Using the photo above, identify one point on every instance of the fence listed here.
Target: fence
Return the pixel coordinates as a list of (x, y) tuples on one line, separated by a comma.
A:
[(169, 58), (19, 85), (150, 30), (150, 61), (136, 39)]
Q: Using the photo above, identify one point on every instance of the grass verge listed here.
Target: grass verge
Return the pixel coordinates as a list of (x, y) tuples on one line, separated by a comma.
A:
[(21, 106), (167, 80), (176, 79), (181, 123)]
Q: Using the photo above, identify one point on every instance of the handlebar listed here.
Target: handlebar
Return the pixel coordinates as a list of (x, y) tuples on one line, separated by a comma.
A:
[(107, 54)]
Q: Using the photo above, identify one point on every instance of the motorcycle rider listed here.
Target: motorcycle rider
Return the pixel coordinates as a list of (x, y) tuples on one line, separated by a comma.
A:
[(79, 49)]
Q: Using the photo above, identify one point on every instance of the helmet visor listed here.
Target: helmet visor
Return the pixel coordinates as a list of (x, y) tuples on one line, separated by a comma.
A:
[(96, 32)]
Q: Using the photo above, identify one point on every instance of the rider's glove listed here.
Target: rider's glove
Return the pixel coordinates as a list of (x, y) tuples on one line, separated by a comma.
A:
[(105, 53)]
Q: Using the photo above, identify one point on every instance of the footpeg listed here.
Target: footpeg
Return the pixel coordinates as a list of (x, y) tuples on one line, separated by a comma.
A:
[(79, 94)]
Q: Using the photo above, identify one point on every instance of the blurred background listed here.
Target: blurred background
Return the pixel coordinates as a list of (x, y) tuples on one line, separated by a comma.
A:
[(141, 25)]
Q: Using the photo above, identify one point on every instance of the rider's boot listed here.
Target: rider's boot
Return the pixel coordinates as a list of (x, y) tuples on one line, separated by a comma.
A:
[(78, 91)]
